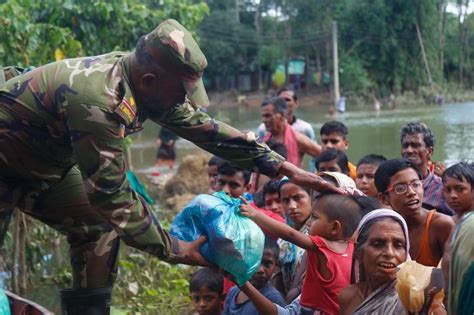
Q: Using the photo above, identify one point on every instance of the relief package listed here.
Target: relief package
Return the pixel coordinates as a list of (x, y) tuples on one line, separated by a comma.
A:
[(234, 242), (420, 288)]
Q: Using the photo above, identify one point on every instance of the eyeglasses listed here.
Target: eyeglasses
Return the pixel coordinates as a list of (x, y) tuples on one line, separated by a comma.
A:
[(400, 189)]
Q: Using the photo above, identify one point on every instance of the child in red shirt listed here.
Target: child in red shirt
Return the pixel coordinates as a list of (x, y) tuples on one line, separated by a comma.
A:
[(335, 218)]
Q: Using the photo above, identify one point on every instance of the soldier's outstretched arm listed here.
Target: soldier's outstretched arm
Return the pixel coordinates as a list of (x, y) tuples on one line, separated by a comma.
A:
[(98, 145), (221, 139), (240, 148)]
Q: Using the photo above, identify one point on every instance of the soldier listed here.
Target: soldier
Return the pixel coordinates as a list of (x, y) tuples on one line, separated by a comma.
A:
[(62, 127)]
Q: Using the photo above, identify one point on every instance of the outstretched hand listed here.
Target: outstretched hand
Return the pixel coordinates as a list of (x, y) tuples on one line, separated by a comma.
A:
[(247, 210), (306, 179)]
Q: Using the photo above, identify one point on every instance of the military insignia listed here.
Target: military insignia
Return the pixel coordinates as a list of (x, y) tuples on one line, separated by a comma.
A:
[(127, 110)]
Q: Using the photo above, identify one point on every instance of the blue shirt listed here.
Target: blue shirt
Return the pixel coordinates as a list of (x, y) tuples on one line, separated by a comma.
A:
[(247, 308)]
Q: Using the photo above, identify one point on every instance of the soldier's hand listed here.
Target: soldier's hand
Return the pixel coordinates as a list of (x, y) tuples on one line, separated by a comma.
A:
[(189, 253), (307, 179)]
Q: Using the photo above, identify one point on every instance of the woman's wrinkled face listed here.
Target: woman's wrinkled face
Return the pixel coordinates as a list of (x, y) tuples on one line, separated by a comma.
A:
[(296, 203), (383, 251)]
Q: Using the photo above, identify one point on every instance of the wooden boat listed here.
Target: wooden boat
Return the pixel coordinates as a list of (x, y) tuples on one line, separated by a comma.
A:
[(21, 306)]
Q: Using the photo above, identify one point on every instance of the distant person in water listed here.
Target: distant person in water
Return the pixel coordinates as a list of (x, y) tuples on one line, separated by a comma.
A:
[(166, 148)]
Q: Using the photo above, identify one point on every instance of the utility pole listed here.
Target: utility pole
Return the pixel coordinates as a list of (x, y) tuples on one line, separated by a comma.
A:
[(425, 60), (336, 63)]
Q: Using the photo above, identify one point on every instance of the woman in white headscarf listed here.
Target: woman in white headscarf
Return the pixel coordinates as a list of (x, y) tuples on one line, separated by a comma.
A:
[(382, 244)]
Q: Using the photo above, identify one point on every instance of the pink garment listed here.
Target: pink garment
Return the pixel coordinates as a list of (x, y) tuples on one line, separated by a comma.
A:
[(291, 145)]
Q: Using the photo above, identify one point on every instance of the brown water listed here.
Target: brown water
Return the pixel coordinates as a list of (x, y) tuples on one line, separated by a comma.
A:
[(369, 131)]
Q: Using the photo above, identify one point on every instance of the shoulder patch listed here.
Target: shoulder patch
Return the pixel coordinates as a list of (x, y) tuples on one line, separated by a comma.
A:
[(127, 110)]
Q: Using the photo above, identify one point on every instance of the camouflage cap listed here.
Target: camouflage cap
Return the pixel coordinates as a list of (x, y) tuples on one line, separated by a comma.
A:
[(175, 49)]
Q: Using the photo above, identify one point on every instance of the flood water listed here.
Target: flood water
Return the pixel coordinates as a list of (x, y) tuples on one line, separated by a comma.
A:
[(369, 131)]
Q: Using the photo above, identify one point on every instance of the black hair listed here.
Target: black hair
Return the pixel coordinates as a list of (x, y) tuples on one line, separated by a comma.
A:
[(462, 171), (334, 126), (372, 159), (215, 161), (415, 128), (343, 208), (333, 154), (279, 105), (367, 204), (209, 278), (278, 147), (283, 182), (295, 97), (388, 169), (227, 168), (271, 187), (272, 245)]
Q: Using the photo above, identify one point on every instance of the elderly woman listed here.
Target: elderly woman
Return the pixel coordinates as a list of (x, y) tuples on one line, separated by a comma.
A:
[(382, 244)]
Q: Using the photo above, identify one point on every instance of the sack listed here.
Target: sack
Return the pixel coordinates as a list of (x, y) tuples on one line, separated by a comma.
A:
[(234, 242), (420, 288)]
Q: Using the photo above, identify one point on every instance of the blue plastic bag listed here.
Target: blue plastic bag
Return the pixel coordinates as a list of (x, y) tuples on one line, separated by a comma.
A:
[(234, 242)]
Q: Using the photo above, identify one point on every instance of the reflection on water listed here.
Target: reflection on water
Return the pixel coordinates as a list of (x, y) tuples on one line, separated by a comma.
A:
[(369, 131)]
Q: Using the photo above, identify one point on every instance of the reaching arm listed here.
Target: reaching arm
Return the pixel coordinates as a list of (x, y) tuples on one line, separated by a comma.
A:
[(307, 179), (308, 146), (221, 139), (277, 228), (263, 305)]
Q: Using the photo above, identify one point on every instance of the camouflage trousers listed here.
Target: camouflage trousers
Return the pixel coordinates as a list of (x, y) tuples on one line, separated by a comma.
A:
[(64, 205)]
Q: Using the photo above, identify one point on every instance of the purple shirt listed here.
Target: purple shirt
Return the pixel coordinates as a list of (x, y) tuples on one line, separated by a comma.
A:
[(433, 196)]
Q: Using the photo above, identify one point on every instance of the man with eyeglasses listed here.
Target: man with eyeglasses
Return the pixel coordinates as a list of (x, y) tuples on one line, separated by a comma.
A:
[(417, 144), (399, 184)]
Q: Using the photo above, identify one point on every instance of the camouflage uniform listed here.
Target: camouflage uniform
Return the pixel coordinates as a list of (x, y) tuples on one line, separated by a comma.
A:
[(61, 152)]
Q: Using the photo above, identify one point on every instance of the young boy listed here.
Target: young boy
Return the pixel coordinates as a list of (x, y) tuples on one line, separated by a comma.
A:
[(399, 184), (212, 167), (328, 246), (233, 180), (271, 197), (458, 188), (206, 291), (332, 160), (238, 303), (334, 136), (366, 168)]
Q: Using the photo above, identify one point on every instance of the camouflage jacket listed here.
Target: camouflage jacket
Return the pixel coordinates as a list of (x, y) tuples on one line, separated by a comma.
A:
[(75, 111)]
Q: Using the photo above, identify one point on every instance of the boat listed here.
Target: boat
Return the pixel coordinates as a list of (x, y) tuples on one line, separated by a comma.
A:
[(22, 306)]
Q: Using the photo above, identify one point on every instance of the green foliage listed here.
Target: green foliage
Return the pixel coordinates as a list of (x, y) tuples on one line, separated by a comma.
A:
[(31, 31), (354, 77), (149, 286)]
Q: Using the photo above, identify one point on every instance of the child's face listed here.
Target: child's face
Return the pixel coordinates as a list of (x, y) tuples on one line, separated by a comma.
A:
[(329, 166), (458, 195), (296, 203), (410, 202), (320, 223), (212, 176), (334, 140), (232, 185), (365, 179), (273, 203), (266, 269), (207, 302)]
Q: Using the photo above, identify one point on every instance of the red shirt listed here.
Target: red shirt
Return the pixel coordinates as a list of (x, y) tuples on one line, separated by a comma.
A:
[(272, 215), (318, 292)]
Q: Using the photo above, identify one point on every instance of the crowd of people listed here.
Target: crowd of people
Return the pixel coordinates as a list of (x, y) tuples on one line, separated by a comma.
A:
[(330, 248), (330, 253)]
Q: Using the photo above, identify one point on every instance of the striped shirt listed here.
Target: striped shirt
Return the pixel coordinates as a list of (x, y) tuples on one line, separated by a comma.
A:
[(433, 194)]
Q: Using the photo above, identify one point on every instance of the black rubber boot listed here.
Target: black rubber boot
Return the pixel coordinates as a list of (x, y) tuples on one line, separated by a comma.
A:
[(86, 301)]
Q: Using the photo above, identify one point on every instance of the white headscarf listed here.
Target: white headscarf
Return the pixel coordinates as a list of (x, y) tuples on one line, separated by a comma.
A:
[(372, 215)]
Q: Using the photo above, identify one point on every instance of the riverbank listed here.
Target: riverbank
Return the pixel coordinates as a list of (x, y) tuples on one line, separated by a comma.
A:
[(315, 97)]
